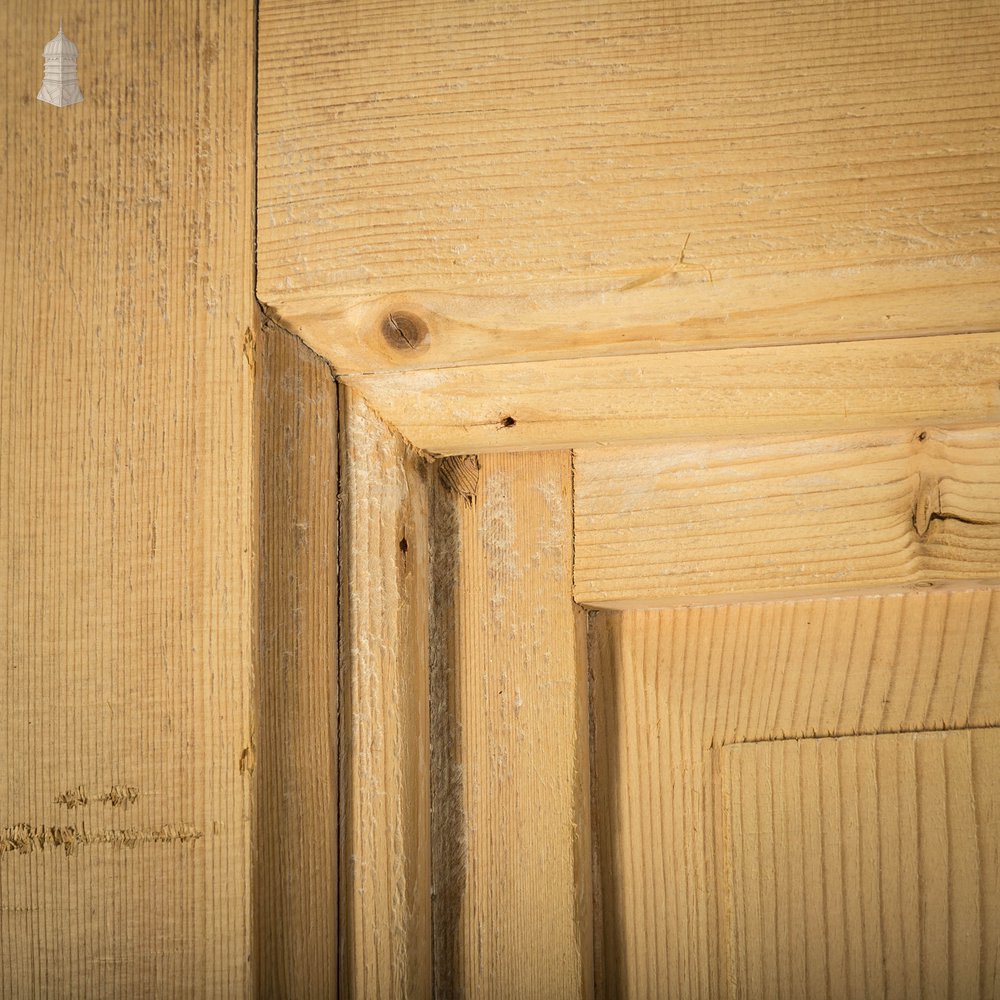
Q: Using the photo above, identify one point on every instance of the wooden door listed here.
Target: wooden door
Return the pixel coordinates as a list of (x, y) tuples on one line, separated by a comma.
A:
[(667, 354), (501, 501)]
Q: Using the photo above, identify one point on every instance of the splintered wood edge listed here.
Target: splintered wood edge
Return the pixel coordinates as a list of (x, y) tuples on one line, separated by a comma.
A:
[(943, 380)]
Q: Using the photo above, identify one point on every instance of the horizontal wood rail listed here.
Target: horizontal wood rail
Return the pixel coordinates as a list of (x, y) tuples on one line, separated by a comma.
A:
[(813, 388), (560, 179), (789, 516)]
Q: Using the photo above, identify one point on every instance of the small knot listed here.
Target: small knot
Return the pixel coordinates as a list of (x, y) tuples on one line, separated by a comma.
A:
[(403, 331)]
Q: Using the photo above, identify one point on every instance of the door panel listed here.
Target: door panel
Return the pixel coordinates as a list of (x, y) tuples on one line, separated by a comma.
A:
[(675, 691), (864, 866)]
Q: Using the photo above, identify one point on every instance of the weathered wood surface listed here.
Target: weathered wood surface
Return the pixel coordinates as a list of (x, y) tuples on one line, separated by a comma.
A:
[(511, 808), (385, 605), (127, 617), (864, 867), (671, 688), (772, 517), (295, 756), (819, 388), (564, 179)]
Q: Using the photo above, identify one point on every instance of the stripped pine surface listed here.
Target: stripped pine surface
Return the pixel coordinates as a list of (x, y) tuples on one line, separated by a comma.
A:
[(864, 867), (512, 890), (295, 756), (560, 179), (674, 689), (771, 517), (385, 602), (127, 612), (815, 388)]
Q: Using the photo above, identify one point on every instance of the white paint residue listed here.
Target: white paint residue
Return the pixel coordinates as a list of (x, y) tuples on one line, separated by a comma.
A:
[(497, 532)]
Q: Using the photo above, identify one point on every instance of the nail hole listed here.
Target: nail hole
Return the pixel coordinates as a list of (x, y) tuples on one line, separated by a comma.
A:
[(403, 546), (508, 422)]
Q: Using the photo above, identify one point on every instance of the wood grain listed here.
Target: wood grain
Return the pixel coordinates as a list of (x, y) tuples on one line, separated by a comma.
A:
[(594, 178), (864, 867), (671, 688), (127, 471), (675, 523), (385, 602), (512, 891), (824, 388), (295, 753)]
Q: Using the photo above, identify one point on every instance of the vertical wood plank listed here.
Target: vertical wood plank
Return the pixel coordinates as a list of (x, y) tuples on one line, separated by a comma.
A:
[(296, 744), (511, 797), (864, 866), (654, 821), (127, 477), (385, 748)]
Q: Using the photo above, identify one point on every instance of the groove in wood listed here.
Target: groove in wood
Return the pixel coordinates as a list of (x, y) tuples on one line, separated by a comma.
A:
[(294, 757)]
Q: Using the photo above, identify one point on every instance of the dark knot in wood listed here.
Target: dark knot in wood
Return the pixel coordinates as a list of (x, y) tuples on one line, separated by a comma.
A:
[(403, 331)]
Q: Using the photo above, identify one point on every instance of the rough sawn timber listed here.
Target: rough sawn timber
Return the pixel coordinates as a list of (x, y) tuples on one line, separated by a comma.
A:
[(385, 604), (561, 179), (127, 532)]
